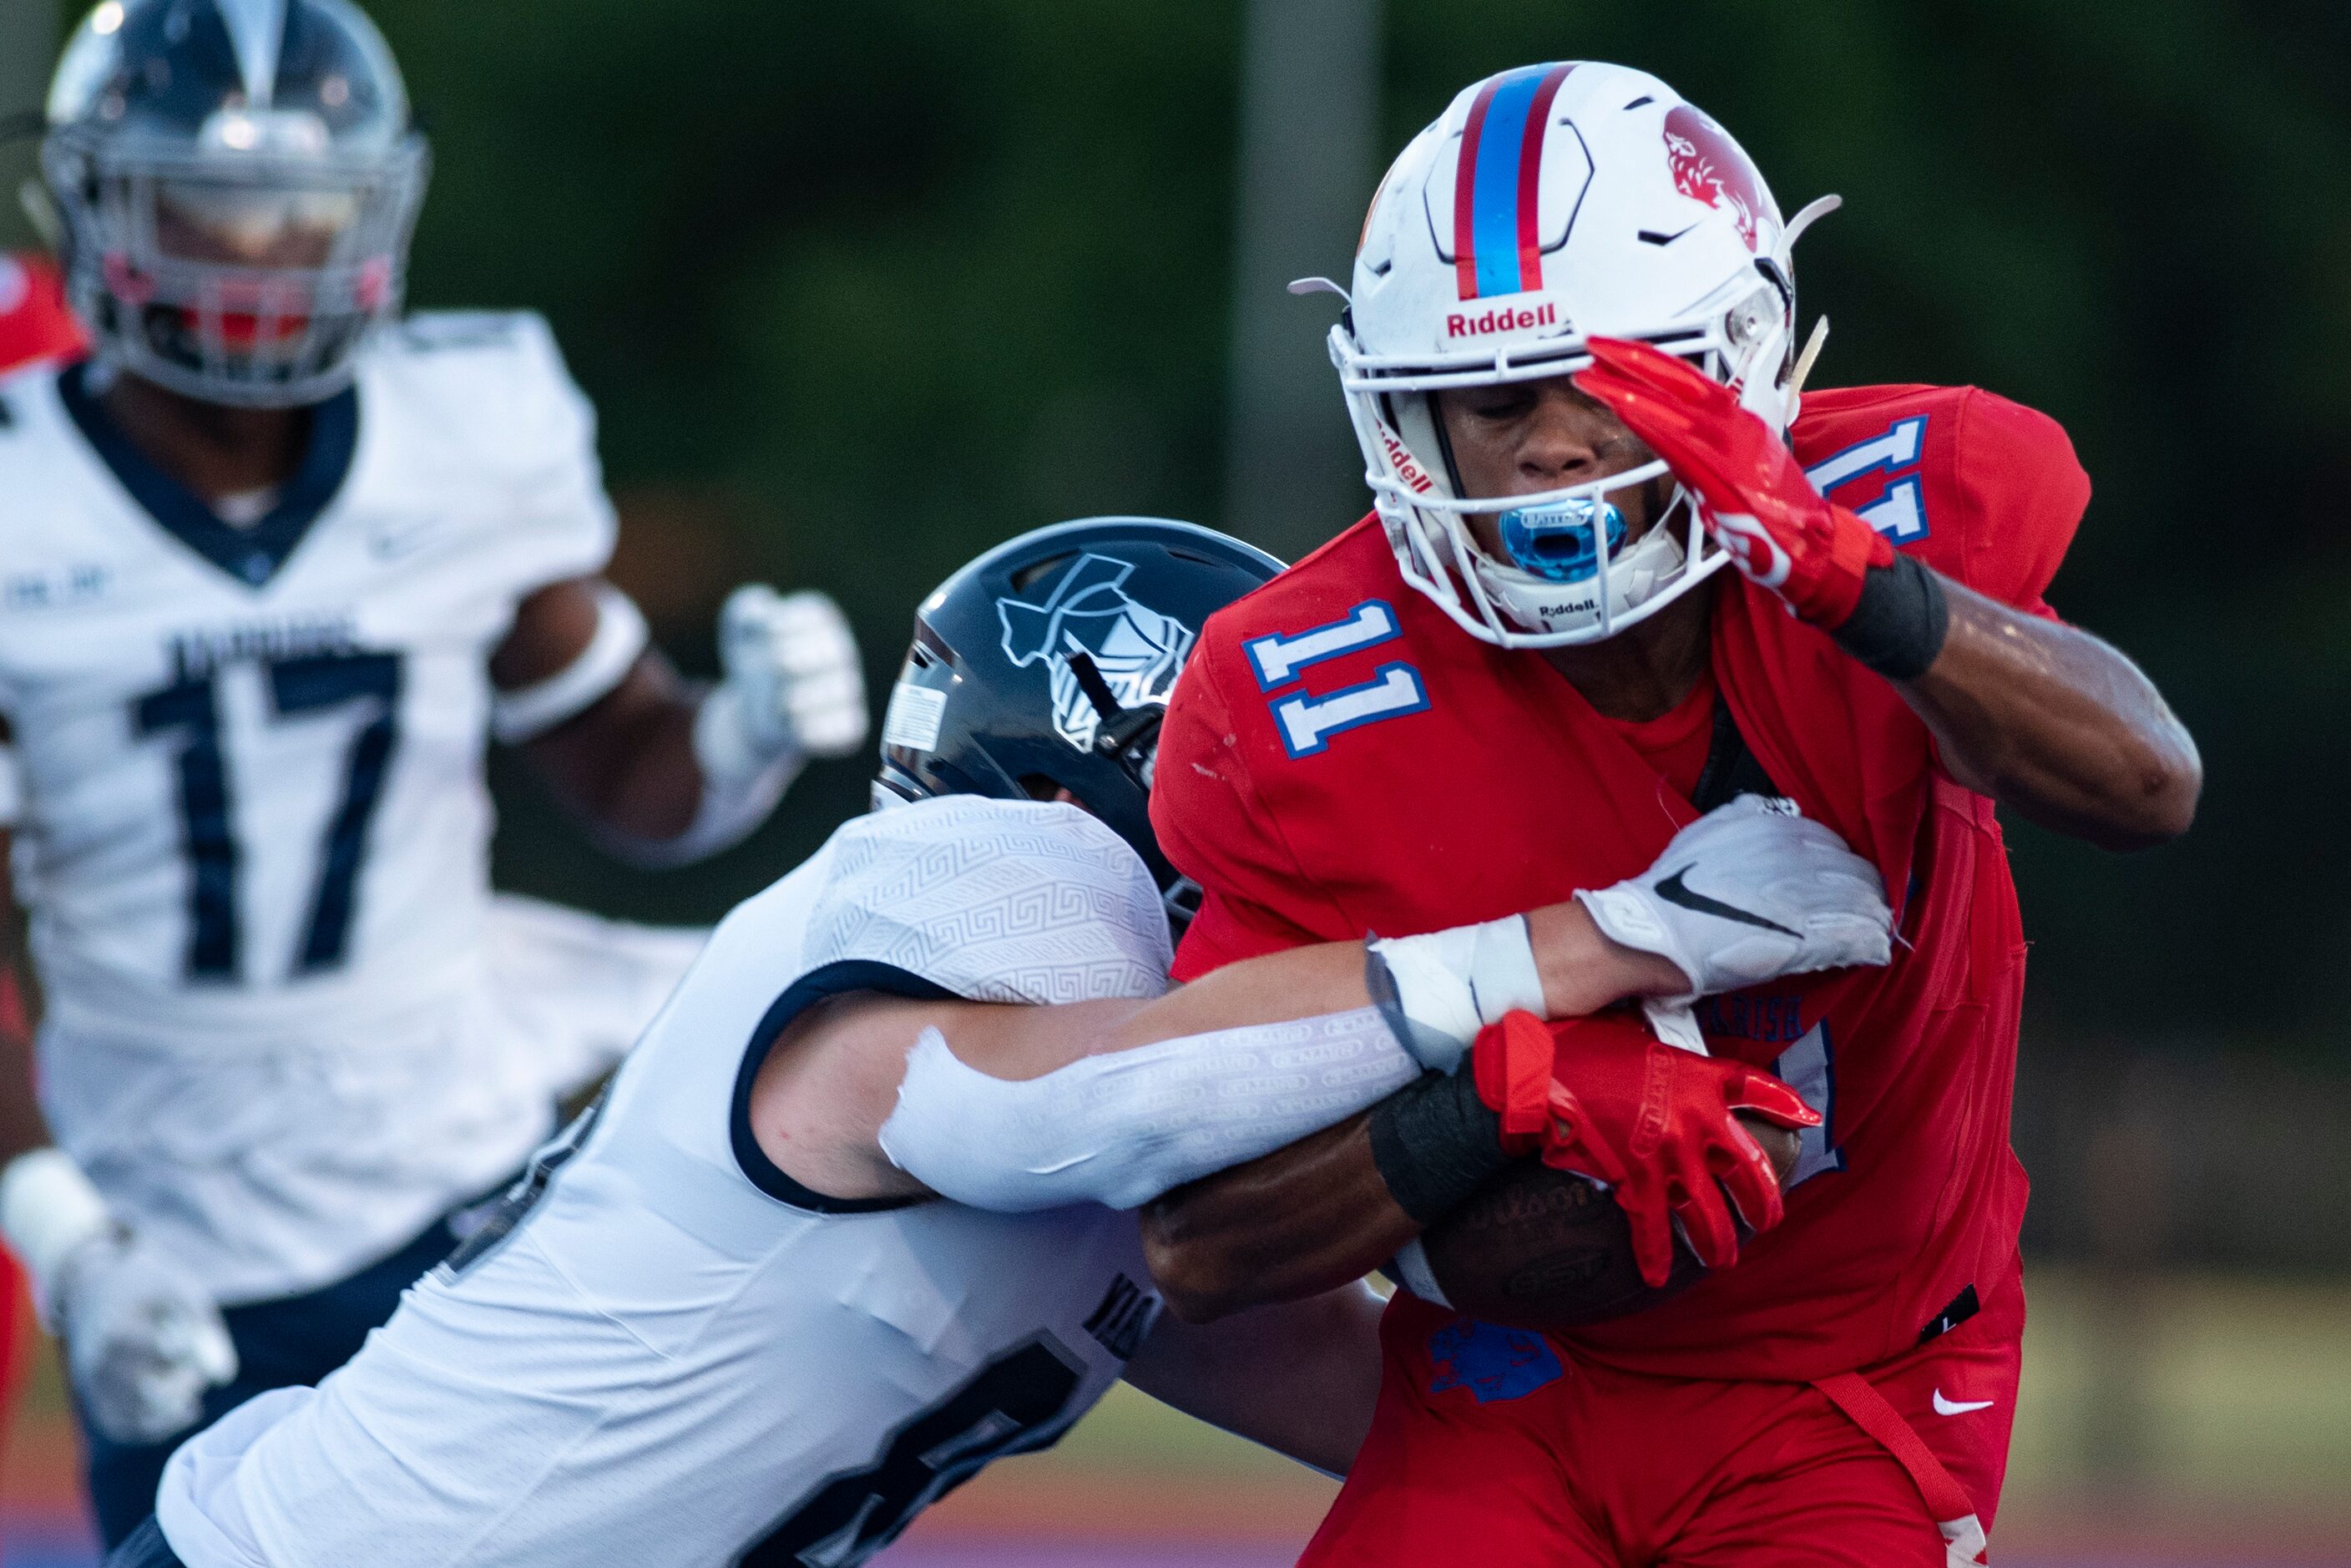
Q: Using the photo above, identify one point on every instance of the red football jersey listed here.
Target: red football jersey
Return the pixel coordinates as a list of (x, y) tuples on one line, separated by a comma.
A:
[(1340, 759), (35, 323)]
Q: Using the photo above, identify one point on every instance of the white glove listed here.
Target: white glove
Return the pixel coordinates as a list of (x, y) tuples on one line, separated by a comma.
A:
[(1748, 893), (792, 672), (142, 1342)]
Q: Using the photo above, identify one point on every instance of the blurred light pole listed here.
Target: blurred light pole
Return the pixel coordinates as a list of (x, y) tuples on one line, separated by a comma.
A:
[(28, 48), (1309, 154)]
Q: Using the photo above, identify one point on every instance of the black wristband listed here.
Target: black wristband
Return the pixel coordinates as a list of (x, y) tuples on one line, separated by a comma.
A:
[(1435, 1142), (1898, 624)]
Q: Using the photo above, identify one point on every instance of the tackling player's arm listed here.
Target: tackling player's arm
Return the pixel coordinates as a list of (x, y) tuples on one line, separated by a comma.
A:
[(1301, 1378), (820, 1101), (1118, 1103), (670, 773), (2037, 714)]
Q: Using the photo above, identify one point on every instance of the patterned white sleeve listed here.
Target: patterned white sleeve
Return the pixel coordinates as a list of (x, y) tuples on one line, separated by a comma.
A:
[(997, 901)]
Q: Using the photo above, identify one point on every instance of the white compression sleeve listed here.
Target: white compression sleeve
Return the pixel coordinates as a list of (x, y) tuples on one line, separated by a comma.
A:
[(1121, 1128)]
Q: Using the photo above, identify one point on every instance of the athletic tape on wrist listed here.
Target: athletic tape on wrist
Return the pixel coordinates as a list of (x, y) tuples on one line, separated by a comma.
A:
[(613, 651), (47, 1208), (1434, 1143), (1447, 985), (1899, 625)]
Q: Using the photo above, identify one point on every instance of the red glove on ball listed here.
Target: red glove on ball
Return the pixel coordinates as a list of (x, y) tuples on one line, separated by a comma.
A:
[(1752, 495), (1604, 1098)]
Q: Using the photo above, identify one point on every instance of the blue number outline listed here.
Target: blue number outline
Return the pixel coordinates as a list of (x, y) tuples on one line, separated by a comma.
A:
[(1306, 705), (1251, 645), (1888, 466)]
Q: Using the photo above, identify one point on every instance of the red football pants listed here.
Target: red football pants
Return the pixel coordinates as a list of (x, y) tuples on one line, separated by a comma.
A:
[(1501, 1448)]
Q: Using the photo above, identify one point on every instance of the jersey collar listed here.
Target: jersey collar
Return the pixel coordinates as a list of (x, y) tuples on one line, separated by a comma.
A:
[(252, 555)]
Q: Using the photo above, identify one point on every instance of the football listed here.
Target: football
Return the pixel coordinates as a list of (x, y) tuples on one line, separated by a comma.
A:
[(1537, 1248)]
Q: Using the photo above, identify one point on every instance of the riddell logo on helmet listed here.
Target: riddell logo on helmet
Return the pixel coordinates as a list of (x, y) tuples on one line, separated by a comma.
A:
[(1501, 319), (1407, 466)]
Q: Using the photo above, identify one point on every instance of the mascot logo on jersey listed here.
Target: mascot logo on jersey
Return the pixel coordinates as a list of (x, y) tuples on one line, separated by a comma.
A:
[(1138, 651), (1490, 1360), (1708, 167)]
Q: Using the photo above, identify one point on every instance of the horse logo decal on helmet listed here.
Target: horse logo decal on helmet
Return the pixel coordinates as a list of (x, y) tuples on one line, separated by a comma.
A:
[(1708, 166), (1138, 651)]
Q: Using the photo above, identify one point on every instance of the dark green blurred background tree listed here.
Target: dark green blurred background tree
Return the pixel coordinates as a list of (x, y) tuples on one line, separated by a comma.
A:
[(861, 289)]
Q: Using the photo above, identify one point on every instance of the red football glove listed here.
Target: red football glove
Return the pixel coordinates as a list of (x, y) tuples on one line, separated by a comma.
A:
[(1752, 495), (1604, 1098)]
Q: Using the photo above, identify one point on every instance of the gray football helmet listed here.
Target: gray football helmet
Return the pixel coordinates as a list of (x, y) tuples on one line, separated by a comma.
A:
[(238, 179)]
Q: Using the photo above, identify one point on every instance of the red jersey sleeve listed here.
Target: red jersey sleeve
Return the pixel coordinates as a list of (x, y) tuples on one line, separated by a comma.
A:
[(2020, 494), (1986, 491), (1215, 828)]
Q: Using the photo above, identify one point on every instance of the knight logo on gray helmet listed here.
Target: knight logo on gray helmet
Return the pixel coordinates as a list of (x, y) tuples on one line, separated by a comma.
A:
[(1139, 651)]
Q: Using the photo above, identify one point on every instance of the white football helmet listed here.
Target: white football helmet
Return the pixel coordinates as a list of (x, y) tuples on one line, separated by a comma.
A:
[(1546, 204)]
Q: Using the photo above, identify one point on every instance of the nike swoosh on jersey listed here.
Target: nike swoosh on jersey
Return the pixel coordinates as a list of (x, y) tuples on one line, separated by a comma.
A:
[(1674, 889), (1957, 1406)]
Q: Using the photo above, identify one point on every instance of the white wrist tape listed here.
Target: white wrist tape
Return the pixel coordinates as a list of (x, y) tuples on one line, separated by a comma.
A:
[(1121, 1128), (47, 1208), (1450, 983), (611, 652)]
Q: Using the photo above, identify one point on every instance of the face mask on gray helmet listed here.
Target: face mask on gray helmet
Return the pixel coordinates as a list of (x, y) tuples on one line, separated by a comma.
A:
[(236, 180)]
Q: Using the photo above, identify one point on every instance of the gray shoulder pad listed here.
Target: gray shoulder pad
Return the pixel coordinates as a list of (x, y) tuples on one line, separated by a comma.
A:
[(995, 900)]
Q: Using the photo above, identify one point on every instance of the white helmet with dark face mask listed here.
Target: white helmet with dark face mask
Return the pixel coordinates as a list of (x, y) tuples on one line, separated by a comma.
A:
[(237, 180), (1548, 204)]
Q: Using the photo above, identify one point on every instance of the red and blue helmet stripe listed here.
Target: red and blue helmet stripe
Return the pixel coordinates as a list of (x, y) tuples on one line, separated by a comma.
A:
[(1497, 190)]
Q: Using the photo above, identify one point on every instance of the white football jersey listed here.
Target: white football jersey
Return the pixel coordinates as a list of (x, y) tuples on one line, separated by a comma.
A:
[(660, 1348), (252, 826)]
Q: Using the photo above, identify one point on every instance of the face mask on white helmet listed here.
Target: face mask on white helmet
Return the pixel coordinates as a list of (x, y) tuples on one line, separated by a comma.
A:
[(1548, 204)]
